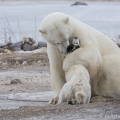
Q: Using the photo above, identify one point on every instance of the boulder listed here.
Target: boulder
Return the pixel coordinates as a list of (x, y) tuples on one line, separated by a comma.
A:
[(16, 81), (14, 47), (7, 51), (79, 3), (29, 40), (28, 47), (1, 50), (17, 46), (35, 45), (42, 44), (9, 47), (5, 45)]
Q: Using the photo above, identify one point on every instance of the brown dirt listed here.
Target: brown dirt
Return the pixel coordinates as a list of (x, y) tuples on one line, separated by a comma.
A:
[(37, 63), (108, 110)]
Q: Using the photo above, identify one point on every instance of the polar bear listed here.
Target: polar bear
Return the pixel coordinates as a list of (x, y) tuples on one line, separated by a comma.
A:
[(97, 53), (77, 89)]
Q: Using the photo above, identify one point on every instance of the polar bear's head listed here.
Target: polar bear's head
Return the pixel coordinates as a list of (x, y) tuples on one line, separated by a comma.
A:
[(56, 29)]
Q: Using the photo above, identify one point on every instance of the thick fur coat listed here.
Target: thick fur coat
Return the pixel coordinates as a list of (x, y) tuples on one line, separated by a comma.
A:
[(97, 53)]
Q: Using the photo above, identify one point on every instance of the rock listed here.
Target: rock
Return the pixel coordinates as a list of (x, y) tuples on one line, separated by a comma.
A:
[(12, 90), (9, 47), (1, 50), (18, 46), (35, 45), (25, 39), (24, 63), (28, 47), (42, 44), (14, 47), (6, 51), (79, 3), (16, 81), (4, 45), (29, 40)]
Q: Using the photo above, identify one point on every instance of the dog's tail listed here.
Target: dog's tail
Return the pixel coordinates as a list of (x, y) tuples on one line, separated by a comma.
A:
[(80, 97)]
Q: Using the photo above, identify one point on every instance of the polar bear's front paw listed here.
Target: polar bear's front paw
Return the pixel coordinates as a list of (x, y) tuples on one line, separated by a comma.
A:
[(98, 99), (54, 100)]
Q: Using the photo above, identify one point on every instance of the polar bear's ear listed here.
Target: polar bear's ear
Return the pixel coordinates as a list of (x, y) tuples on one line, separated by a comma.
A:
[(66, 20), (42, 31)]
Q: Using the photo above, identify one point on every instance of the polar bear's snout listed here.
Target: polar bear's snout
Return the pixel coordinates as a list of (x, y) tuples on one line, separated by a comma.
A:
[(63, 46)]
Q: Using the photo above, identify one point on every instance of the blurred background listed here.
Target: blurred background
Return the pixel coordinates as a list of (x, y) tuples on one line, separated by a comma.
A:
[(19, 18)]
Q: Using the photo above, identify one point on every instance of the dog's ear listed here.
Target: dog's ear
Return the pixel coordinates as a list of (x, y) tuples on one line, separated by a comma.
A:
[(70, 48)]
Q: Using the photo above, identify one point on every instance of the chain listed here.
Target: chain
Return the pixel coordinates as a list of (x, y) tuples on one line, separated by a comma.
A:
[(27, 100)]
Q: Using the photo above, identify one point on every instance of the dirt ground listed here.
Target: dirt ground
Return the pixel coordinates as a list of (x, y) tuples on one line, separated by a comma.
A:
[(29, 99)]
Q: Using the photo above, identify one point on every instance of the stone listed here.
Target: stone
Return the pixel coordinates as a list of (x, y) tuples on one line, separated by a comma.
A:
[(14, 47), (79, 3), (6, 51), (28, 40), (35, 45), (28, 47), (16, 81), (42, 44), (17, 46), (31, 41), (1, 50), (24, 63)]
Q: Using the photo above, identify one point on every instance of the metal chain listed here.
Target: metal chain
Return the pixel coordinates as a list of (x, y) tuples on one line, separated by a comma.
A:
[(28, 100)]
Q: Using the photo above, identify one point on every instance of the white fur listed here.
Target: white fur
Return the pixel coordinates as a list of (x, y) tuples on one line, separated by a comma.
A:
[(77, 87), (76, 42), (97, 53)]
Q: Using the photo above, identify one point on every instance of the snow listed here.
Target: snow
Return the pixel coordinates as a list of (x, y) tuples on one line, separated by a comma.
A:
[(40, 50)]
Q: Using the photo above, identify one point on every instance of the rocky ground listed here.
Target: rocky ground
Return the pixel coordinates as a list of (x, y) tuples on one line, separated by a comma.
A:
[(25, 91)]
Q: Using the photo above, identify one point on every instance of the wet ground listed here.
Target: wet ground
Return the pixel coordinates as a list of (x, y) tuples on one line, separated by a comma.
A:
[(16, 100), (91, 111), (29, 99)]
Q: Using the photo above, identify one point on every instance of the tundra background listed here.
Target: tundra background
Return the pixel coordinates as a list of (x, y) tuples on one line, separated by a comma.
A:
[(28, 100)]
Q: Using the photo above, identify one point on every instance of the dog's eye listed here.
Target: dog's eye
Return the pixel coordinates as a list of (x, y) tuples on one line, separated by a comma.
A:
[(57, 43)]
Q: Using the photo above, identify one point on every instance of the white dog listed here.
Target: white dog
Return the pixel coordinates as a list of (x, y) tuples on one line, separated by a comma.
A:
[(77, 89)]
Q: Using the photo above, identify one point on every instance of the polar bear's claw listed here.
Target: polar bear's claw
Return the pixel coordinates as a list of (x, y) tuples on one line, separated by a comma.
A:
[(53, 101)]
